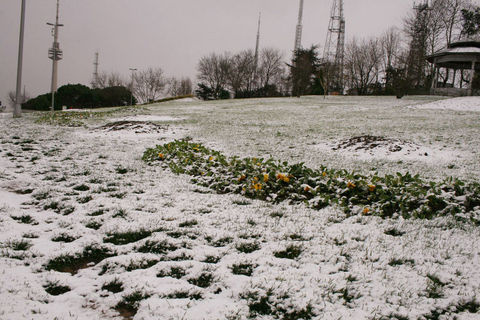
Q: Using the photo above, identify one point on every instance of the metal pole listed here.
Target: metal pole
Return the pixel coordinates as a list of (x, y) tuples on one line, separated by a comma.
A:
[(55, 54), (17, 110)]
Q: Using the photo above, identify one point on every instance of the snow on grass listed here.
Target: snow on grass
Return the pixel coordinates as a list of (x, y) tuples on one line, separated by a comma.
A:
[(469, 104), (211, 256)]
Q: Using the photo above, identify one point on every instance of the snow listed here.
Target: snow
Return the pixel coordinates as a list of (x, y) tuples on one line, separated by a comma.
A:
[(469, 104), (338, 252)]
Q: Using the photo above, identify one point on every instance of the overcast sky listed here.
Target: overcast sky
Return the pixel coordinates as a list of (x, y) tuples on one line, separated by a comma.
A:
[(171, 34)]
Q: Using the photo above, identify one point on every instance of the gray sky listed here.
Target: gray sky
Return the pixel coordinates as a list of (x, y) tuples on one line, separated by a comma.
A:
[(171, 34)]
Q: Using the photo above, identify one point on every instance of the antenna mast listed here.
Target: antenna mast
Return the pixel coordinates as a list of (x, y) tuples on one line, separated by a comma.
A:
[(258, 41), (95, 72), (334, 50), (298, 33), (55, 54)]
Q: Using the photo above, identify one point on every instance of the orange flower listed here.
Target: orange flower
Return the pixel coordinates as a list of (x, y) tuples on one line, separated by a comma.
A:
[(257, 187), (366, 210), (211, 158), (371, 187), (350, 185), (307, 188), (242, 177), (324, 174), (161, 156), (284, 178), (265, 177)]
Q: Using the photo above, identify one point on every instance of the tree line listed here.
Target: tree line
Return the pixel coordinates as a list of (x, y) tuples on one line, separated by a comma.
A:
[(393, 63)]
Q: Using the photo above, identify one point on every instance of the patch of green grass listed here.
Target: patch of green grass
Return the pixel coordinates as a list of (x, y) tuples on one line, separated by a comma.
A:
[(55, 289), (120, 213), (158, 247), (128, 306), (248, 247), (174, 272), (85, 199), (290, 252), (434, 287), (221, 242), (141, 264), (98, 212), (121, 170), (81, 187), (64, 237), (211, 259), (188, 223), (245, 269), (121, 238), (182, 294), (30, 235), (91, 254), (204, 280), (394, 232), (93, 224), (27, 219), (398, 262), (114, 286), (19, 245)]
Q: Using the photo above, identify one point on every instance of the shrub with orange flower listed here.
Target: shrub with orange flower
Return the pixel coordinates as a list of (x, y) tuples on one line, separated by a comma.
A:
[(371, 187), (283, 177), (350, 185)]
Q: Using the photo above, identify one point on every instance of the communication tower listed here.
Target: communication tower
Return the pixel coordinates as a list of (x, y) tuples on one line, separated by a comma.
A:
[(257, 45), (95, 72), (334, 50), (298, 33), (55, 54)]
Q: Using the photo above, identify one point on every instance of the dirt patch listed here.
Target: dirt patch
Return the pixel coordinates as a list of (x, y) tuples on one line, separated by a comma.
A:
[(136, 126), (368, 142)]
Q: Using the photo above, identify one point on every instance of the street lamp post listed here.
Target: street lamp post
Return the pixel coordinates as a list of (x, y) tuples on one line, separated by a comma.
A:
[(131, 86), (17, 110)]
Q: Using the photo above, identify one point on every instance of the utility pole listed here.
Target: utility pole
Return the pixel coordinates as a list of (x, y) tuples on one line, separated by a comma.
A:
[(298, 33), (17, 110), (55, 54), (131, 86)]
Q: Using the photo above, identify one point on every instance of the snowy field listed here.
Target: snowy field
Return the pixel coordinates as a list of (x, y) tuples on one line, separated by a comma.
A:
[(90, 231)]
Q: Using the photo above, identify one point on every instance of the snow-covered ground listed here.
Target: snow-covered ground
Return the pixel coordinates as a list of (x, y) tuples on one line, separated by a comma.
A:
[(179, 251)]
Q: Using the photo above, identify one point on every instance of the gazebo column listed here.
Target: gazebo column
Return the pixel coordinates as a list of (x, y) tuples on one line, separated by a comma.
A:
[(472, 75)]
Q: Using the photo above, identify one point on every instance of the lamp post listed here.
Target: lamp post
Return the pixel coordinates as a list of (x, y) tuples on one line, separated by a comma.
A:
[(131, 86), (17, 110)]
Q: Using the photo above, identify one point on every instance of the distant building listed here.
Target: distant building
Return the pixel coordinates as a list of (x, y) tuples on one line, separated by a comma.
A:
[(457, 69)]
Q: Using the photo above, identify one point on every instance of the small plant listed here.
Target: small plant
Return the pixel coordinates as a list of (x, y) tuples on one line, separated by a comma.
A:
[(245, 269), (211, 259), (221, 242), (64, 237), (434, 287), (85, 199), (120, 213), (398, 262), (92, 254), (92, 224), (81, 187), (394, 232), (188, 223), (158, 247), (128, 306), (184, 295), (55, 289), (121, 170), (204, 280), (174, 272), (248, 247), (27, 219), (114, 286), (142, 264), (121, 238), (291, 252), (19, 245), (98, 212)]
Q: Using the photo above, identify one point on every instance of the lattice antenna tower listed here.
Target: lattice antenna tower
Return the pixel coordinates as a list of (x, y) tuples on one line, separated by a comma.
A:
[(298, 33), (95, 71), (257, 45), (334, 50)]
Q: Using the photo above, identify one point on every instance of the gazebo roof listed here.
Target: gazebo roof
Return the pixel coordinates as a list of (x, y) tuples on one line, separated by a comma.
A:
[(458, 55)]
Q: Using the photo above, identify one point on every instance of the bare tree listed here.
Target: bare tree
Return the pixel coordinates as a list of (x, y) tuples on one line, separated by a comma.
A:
[(451, 17), (362, 64), (149, 84), (241, 73), (271, 66), (112, 79), (213, 70), (179, 87)]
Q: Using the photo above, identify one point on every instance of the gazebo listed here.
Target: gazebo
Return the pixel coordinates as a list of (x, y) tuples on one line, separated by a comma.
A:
[(463, 58)]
